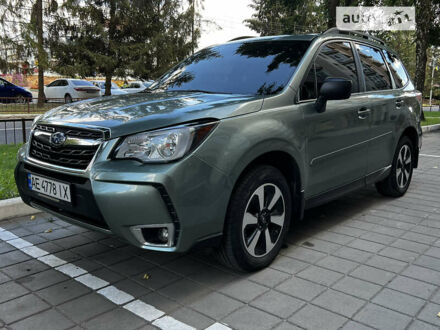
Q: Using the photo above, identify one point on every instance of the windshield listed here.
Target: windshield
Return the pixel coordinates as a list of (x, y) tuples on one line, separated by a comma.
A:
[(82, 83), (256, 67)]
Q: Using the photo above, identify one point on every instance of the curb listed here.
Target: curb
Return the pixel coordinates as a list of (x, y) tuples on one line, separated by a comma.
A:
[(15, 207), (430, 128)]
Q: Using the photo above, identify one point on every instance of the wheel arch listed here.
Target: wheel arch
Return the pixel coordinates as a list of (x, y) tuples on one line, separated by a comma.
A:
[(412, 134), (288, 166)]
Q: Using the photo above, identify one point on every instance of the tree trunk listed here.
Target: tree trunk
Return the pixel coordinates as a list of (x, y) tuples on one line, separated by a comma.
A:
[(193, 9), (108, 83), (110, 53), (332, 4), (40, 54), (423, 23)]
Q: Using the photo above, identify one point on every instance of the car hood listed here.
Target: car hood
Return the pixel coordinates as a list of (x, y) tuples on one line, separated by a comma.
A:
[(132, 113)]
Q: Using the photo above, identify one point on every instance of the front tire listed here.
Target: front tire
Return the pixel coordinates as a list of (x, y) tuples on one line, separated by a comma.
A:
[(397, 183), (257, 220)]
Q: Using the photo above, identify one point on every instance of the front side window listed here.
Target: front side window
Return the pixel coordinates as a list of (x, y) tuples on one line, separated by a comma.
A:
[(247, 67), (54, 83), (334, 60), (397, 69), (376, 73)]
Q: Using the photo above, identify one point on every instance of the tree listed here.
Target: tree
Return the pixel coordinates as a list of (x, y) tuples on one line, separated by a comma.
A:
[(273, 17), (120, 37), (23, 33)]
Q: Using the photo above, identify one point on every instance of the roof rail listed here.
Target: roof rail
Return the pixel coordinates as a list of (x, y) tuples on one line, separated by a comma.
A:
[(240, 38), (355, 33)]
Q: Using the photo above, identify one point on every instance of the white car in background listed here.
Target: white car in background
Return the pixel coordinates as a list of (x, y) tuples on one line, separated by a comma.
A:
[(70, 90), (115, 89), (137, 86)]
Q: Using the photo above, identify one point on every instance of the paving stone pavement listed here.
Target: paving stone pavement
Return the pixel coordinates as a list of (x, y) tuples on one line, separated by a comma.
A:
[(360, 262)]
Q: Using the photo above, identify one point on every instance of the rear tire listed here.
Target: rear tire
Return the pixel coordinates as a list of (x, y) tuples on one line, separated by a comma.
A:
[(398, 181), (67, 98), (254, 233)]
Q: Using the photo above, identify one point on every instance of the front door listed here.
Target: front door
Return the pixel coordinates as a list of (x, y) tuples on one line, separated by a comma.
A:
[(337, 139)]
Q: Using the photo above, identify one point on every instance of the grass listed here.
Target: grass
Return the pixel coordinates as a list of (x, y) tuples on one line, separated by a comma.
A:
[(430, 121), (11, 108), (432, 113), (8, 154), (432, 118)]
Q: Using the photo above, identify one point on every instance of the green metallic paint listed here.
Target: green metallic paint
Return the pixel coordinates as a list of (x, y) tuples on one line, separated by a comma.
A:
[(331, 149)]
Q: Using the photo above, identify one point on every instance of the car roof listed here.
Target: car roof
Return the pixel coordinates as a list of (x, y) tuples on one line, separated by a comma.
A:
[(351, 35)]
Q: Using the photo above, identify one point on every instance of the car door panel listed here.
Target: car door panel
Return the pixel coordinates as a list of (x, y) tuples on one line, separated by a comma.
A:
[(381, 100), (337, 142), (337, 139)]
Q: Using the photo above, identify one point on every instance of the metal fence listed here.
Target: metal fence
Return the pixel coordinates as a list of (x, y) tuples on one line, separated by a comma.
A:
[(14, 131), (11, 105)]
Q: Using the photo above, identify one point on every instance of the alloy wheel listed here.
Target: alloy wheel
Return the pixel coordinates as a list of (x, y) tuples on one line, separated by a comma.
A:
[(403, 166), (263, 220)]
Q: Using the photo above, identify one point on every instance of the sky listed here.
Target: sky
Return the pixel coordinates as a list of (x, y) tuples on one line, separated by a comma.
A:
[(229, 15)]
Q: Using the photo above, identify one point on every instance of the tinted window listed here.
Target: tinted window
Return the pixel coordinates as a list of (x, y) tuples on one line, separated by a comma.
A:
[(63, 83), (81, 83), (334, 60), (397, 69), (308, 86), (252, 67), (53, 83), (376, 73)]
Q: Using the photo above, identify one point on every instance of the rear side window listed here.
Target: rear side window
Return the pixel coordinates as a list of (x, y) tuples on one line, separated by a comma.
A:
[(82, 83), (376, 73), (334, 60), (397, 69)]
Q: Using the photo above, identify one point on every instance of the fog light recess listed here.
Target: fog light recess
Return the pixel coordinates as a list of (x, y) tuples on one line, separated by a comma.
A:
[(154, 235)]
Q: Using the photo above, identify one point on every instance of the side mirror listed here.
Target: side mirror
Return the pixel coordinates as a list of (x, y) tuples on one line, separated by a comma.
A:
[(332, 89)]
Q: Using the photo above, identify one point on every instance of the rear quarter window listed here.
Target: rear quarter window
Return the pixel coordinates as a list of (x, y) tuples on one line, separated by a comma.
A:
[(397, 69), (376, 74)]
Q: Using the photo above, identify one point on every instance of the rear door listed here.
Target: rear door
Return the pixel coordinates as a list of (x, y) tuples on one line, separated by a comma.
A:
[(381, 104), (337, 139)]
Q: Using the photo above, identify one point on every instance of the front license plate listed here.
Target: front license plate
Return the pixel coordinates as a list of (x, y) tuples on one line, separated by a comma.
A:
[(49, 187)]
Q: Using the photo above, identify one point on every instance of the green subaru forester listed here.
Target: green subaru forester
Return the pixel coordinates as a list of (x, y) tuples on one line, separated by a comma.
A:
[(231, 145)]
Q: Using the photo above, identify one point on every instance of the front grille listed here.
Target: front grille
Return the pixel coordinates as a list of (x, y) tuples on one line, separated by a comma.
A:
[(76, 153)]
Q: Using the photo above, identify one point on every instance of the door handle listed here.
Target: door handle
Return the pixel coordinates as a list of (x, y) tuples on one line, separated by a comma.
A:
[(399, 103), (363, 113)]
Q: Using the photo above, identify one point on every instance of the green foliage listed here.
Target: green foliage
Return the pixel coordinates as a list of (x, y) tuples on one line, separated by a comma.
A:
[(122, 37), (18, 33), (8, 153), (273, 17)]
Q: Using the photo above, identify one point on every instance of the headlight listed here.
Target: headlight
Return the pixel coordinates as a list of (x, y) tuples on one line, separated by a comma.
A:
[(163, 145)]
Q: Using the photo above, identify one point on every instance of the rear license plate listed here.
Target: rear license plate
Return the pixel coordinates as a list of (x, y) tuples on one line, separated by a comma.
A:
[(49, 187)]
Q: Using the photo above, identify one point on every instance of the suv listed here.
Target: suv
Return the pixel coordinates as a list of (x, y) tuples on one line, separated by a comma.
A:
[(230, 146)]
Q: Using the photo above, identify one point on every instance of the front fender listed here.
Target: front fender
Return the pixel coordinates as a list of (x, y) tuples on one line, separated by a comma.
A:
[(238, 141)]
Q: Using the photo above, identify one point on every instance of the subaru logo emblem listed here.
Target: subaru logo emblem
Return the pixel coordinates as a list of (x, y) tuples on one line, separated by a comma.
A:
[(57, 139)]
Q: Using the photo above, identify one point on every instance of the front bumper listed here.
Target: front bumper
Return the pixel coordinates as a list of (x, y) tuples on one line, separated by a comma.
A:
[(115, 196)]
